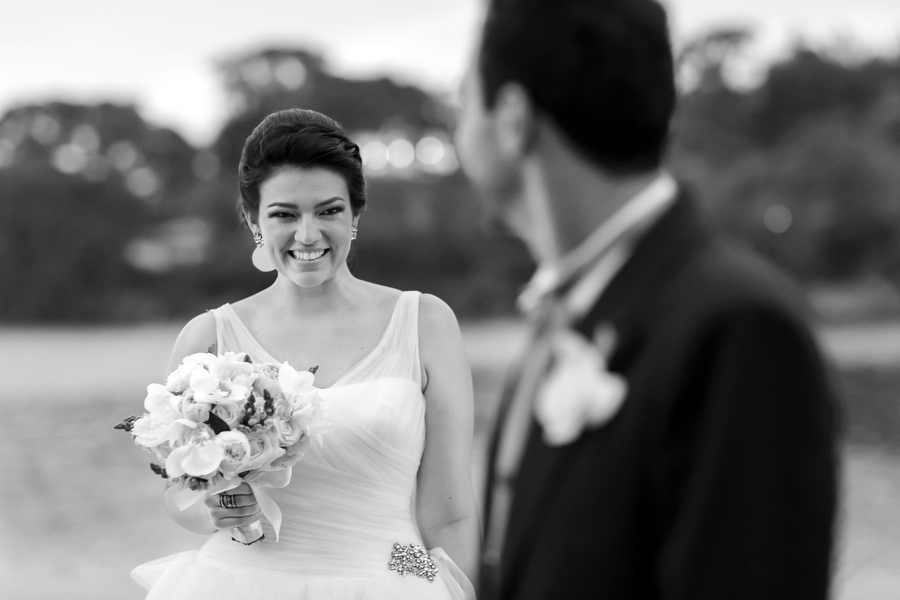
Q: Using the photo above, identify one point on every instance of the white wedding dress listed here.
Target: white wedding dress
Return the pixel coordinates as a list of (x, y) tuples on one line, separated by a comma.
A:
[(348, 501)]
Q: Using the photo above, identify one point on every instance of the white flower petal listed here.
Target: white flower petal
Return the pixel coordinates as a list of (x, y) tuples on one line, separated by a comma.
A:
[(173, 462), (578, 391), (204, 459)]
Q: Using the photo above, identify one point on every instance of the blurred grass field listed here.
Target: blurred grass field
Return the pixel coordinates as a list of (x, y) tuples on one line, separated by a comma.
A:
[(79, 506)]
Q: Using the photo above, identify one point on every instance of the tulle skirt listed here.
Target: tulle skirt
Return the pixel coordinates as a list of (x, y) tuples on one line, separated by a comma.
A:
[(193, 576)]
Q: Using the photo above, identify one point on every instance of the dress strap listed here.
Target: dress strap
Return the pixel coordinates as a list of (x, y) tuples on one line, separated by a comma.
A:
[(232, 335), (403, 337), (221, 320)]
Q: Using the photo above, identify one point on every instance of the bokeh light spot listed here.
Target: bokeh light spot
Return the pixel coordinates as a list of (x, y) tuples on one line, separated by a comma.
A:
[(142, 182), (375, 155), (13, 130), (45, 129), (257, 72), (86, 137), (401, 153), (777, 218), (291, 73), (69, 159), (430, 150), (123, 155)]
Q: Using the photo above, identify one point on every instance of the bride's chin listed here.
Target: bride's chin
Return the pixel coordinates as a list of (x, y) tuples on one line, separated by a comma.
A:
[(307, 281), (310, 279)]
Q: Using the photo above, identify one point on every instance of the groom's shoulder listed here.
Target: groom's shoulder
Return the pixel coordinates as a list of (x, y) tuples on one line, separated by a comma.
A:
[(727, 276)]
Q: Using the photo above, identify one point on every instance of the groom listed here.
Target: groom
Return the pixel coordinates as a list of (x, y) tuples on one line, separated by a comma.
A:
[(670, 432)]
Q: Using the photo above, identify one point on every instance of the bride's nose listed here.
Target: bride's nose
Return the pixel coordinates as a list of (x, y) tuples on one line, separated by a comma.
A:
[(307, 232)]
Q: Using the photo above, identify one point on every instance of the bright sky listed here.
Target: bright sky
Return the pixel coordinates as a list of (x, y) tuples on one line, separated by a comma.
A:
[(160, 55)]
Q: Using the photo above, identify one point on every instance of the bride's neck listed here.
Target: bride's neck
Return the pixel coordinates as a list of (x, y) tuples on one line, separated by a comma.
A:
[(319, 300)]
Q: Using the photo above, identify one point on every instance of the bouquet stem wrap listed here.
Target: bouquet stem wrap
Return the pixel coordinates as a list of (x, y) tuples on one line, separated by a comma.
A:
[(258, 483), (248, 534)]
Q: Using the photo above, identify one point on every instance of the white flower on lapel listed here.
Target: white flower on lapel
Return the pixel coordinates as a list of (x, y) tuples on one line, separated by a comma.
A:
[(578, 392)]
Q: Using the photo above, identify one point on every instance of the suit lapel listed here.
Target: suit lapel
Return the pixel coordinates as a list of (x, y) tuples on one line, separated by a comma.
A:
[(626, 304)]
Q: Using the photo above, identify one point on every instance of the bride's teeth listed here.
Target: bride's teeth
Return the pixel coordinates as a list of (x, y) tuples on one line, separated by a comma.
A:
[(308, 255)]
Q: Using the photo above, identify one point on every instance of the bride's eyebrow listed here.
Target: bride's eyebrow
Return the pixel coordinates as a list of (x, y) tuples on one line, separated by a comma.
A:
[(329, 201), (294, 205)]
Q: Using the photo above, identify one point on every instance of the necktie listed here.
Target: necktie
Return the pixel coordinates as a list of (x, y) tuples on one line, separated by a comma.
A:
[(516, 424)]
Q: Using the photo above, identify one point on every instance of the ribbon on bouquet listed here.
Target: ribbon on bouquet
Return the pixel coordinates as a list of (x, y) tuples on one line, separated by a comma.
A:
[(258, 482)]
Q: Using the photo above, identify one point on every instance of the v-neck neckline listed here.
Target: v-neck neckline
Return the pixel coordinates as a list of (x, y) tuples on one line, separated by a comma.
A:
[(340, 380)]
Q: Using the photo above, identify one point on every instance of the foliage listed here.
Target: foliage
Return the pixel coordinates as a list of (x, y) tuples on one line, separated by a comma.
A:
[(105, 217), (803, 166)]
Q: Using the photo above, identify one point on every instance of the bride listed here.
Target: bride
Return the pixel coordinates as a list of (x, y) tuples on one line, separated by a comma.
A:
[(395, 468)]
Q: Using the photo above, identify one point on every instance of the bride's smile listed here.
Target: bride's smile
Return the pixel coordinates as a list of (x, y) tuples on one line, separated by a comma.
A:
[(307, 256), (305, 219)]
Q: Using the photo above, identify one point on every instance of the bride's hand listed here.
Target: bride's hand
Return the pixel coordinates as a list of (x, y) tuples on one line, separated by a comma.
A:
[(245, 510)]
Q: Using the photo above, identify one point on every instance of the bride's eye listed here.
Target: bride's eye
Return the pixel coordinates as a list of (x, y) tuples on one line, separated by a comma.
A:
[(332, 211)]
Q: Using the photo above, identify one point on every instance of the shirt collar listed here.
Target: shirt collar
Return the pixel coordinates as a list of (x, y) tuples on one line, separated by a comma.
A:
[(606, 249)]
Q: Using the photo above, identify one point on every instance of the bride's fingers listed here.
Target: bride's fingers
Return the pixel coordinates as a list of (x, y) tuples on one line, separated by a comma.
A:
[(229, 522), (232, 517), (231, 499), (233, 508)]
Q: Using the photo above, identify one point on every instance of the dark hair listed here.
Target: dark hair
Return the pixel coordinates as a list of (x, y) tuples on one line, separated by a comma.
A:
[(298, 137), (601, 69)]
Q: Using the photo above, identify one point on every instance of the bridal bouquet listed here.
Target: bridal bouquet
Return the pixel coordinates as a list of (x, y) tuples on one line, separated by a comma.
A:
[(223, 420)]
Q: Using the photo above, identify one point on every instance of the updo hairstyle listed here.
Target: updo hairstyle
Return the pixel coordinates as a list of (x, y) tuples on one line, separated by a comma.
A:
[(303, 138)]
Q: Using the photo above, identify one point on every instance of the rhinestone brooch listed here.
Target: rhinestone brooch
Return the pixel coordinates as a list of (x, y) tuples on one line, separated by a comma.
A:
[(412, 559)]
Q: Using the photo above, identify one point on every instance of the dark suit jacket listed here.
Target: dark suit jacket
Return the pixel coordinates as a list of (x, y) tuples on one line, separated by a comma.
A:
[(717, 479)]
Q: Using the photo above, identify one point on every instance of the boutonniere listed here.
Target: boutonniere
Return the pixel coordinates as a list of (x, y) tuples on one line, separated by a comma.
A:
[(579, 392)]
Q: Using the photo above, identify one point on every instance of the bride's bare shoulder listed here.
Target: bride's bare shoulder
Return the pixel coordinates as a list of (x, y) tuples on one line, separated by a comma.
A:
[(436, 318)]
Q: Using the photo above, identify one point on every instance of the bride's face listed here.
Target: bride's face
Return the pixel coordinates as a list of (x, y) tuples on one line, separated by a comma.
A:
[(305, 218)]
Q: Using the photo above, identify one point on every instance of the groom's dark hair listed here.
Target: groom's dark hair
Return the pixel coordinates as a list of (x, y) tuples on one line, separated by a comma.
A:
[(601, 69)]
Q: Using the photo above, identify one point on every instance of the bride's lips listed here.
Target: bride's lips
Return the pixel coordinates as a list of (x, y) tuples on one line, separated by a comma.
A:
[(307, 255)]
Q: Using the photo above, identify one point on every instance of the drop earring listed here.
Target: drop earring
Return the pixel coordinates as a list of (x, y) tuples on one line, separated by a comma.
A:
[(353, 231), (260, 257)]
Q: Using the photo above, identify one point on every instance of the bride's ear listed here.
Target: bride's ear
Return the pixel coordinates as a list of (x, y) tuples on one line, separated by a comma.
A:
[(515, 120), (251, 224)]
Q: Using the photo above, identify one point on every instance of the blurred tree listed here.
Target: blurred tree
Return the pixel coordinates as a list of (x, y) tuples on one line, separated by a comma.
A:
[(802, 166), (77, 184), (61, 247), (262, 82), (809, 85), (103, 216), (711, 120), (703, 63)]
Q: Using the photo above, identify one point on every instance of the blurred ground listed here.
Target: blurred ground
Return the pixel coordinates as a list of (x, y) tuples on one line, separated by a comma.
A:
[(80, 508)]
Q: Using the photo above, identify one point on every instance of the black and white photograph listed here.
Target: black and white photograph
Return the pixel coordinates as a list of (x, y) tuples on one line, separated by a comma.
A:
[(460, 300)]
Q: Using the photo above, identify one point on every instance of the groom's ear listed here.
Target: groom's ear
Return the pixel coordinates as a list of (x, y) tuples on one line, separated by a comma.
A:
[(514, 118)]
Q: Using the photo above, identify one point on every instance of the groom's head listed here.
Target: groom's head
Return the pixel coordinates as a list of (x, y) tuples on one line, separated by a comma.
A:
[(601, 70)]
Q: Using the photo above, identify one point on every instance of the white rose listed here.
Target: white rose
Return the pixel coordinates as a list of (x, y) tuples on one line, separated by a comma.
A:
[(236, 447), (263, 449)]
